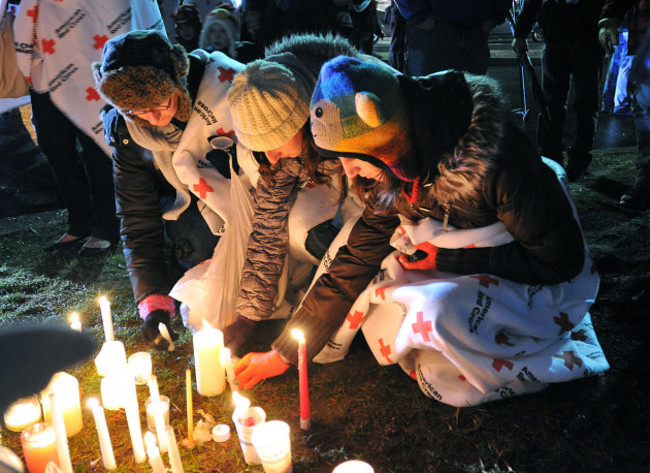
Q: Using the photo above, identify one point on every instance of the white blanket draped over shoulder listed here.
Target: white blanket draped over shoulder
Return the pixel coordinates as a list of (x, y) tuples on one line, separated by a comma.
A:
[(474, 338), (56, 42)]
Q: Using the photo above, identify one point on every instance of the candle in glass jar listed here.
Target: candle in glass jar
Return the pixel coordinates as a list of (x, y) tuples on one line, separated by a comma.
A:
[(39, 446), (66, 388), (140, 366), (210, 372), (22, 413)]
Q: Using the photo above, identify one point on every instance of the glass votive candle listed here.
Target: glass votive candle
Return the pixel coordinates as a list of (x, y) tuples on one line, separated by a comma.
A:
[(273, 445), (140, 365), (39, 446), (22, 414), (353, 466), (151, 420)]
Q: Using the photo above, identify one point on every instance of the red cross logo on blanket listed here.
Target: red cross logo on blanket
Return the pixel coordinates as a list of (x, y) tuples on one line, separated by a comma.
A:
[(564, 323), (202, 188), (226, 74), (33, 13), (569, 359), (498, 363), (384, 350), (502, 339), (48, 45), (422, 327), (355, 319), (99, 41), (381, 292), (485, 280), (92, 94), (222, 132), (579, 335)]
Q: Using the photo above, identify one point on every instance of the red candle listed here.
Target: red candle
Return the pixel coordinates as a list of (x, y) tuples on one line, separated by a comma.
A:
[(302, 378)]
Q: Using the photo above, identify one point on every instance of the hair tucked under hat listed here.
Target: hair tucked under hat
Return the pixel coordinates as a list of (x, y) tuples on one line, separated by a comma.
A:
[(269, 104), (140, 70), (358, 111)]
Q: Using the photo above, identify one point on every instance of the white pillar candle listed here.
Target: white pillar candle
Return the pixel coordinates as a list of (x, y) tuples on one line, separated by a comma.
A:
[(107, 320), (353, 466), (174, 455), (140, 366), (22, 414), (111, 358), (117, 389), (62, 450), (154, 454), (75, 322), (66, 388), (210, 372), (135, 431), (230, 370), (105, 445)]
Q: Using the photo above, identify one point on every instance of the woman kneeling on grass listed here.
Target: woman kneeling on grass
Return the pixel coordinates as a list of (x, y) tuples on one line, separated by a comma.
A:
[(487, 295)]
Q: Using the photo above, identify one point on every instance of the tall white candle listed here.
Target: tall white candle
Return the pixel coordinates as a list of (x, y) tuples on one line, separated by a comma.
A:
[(154, 454), (135, 431), (157, 408), (62, 450), (174, 455), (66, 388), (107, 320), (105, 445), (210, 372)]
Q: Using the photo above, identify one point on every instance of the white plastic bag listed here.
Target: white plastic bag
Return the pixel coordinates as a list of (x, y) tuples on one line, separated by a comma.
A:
[(209, 290)]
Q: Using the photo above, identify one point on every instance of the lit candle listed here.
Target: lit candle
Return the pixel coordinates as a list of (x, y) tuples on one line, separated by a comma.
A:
[(22, 413), (140, 366), (135, 431), (154, 454), (230, 370), (157, 411), (105, 446), (66, 388), (75, 322), (210, 372), (162, 403), (190, 412), (107, 320), (272, 441), (174, 455), (39, 446), (246, 419), (162, 328), (353, 466), (302, 379), (111, 358), (62, 450)]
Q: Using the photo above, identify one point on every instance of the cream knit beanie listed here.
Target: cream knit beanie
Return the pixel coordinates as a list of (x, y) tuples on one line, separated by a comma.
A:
[(269, 105)]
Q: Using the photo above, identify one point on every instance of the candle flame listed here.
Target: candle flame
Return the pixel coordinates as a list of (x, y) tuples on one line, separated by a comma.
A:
[(102, 300), (241, 402), (149, 440), (297, 334), (74, 318), (206, 325), (92, 402)]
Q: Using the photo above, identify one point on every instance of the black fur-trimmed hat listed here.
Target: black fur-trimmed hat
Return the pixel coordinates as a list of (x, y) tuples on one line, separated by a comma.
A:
[(140, 70)]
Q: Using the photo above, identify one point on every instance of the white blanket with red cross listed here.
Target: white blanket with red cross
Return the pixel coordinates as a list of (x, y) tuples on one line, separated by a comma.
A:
[(57, 41), (475, 338)]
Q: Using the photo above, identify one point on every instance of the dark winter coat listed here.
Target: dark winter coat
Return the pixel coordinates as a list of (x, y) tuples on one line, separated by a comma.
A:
[(493, 174)]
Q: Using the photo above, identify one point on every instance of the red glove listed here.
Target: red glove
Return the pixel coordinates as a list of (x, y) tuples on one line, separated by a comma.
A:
[(254, 367), (424, 258)]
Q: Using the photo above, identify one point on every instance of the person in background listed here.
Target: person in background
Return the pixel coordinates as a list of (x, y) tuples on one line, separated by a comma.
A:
[(152, 86), (445, 161), (365, 25), (571, 52), (188, 24), (443, 34), (613, 13), (269, 102), (221, 32)]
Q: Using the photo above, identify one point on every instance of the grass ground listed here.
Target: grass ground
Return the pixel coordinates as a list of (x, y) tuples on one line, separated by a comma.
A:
[(378, 414)]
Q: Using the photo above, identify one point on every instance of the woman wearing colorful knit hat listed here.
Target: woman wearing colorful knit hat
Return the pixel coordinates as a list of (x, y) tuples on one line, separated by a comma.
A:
[(468, 266), (298, 193)]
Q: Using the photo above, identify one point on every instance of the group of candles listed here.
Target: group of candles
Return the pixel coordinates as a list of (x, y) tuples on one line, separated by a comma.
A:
[(45, 444)]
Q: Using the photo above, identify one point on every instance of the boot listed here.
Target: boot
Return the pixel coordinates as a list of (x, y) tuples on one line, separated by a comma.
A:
[(638, 197)]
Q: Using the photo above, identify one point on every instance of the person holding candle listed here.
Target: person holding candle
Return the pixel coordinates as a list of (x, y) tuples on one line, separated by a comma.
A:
[(164, 104), (269, 102), (492, 262)]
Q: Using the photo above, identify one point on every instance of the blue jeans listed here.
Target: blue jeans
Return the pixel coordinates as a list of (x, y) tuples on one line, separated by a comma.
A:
[(641, 114), (84, 175)]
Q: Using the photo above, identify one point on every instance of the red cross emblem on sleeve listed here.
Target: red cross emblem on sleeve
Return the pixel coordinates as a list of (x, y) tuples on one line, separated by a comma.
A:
[(385, 350), (202, 188), (355, 319), (92, 94), (225, 74), (563, 321), (422, 327), (100, 41), (48, 46), (570, 360)]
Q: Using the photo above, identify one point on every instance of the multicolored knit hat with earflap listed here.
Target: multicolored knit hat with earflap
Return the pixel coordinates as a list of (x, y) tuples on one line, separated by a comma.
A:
[(358, 111)]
